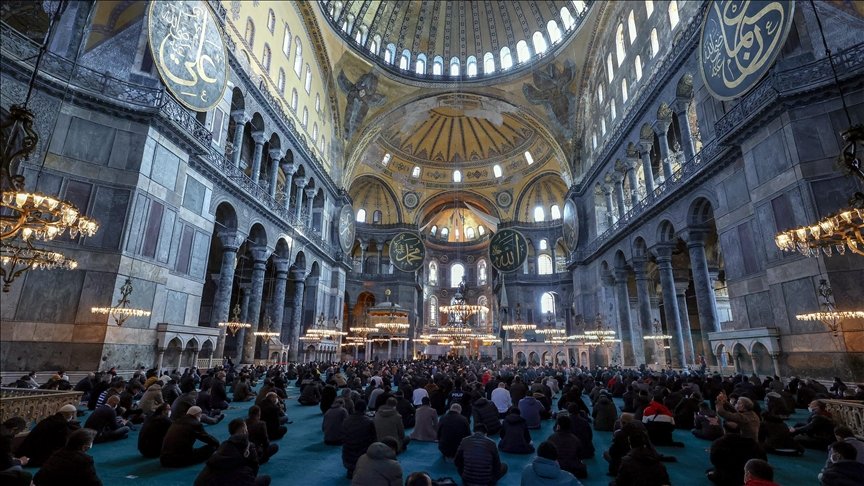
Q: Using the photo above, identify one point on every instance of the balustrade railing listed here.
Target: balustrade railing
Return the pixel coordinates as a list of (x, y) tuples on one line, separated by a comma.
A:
[(34, 405), (848, 413)]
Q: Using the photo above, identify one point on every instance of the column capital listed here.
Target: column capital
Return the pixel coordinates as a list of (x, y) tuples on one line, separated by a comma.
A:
[(276, 154), (695, 236), (364, 245), (300, 182), (289, 168), (661, 126), (231, 239), (646, 146), (681, 286), (663, 252), (281, 266), (259, 137), (298, 275), (240, 117), (640, 266), (607, 189), (632, 161), (621, 275), (310, 192), (260, 253), (681, 104), (616, 177)]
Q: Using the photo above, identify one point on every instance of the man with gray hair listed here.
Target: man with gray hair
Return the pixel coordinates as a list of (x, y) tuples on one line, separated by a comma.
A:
[(742, 415), (49, 435), (452, 428)]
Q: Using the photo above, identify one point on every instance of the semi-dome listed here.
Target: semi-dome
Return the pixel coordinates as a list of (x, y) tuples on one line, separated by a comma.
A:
[(452, 40)]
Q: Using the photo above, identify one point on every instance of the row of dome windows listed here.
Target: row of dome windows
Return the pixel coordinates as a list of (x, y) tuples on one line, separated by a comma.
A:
[(523, 52), (497, 171), (539, 217), (547, 307)]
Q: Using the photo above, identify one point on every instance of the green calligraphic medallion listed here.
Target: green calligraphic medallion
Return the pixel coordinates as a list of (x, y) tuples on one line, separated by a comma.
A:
[(407, 252), (188, 50), (507, 250), (740, 40)]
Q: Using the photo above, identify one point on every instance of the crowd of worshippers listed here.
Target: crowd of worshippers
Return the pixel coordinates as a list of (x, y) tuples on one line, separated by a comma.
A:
[(472, 409)]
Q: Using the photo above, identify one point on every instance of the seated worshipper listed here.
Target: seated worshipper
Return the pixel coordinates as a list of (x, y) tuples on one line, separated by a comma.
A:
[(331, 425), (153, 432), (532, 411), (49, 436), (477, 459), (72, 461), (818, 432), (85, 385), (775, 437), (706, 424), (378, 466), (582, 429), (257, 431), (273, 416), (418, 395), (406, 410), (501, 398), (568, 447), (178, 447), (729, 454), (358, 433), (515, 437), (425, 423), (269, 386), (328, 396), (106, 423), (544, 469), (685, 411), (242, 392), (845, 434), (659, 423), (605, 413), (758, 473), (641, 466), (486, 413), (622, 440), (11, 472), (743, 416), (388, 423), (218, 395), (419, 478), (151, 399), (188, 400), (235, 461), (310, 391), (452, 428), (842, 468)]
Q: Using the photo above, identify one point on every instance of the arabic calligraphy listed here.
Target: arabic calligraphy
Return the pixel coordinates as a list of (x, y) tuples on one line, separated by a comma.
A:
[(187, 48), (507, 250), (740, 40), (407, 252)]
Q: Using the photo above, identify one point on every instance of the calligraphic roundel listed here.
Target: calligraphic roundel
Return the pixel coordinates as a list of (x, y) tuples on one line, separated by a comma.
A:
[(188, 50), (507, 250), (571, 225), (740, 40), (407, 252)]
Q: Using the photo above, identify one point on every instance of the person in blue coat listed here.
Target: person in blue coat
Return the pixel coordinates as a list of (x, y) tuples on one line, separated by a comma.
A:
[(544, 469)]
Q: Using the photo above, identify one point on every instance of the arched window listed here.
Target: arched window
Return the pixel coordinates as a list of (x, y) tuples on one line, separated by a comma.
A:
[(437, 66), (386, 159), (673, 13), (555, 212), (294, 99), (544, 264), (539, 42), (481, 230), (308, 84), (544, 244), (496, 169), (280, 83), (433, 230), (602, 126), (361, 215), (594, 140), (445, 232), (415, 173), (539, 214), (298, 56), (265, 58), (286, 42), (317, 103), (420, 67), (506, 58), (375, 44), (637, 64), (610, 71), (631, 26), (405, 60), (455, 66), (376, 217), (655, 44), (457, 272), (471, 66), (522, 51), (488, 63), (553, 31), (457, 175), (321, 143), (612, 108), (579, 5), (529, 158), (314, 131), (390, 54), (249, 36), (433, 304), (649, 8), (469, 233), (305, 120), (335, 9), (620, 48), (358, 35), (567, 18), (271, 21), (547, 303), (433, 273), (350, 24), (482, 274), (600, 94), (624, 94)]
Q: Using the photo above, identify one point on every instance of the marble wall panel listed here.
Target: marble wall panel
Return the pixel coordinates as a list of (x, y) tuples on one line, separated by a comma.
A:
[(175, 307), (50, 296), (737, 193), (109, 208), (770, 158), (165, 235), (200, 250), (193, 196), (832, 194), (136, 223), (165, 167), (98, 291), (127, 150), (81, 140), (759, 307), (26, 356)]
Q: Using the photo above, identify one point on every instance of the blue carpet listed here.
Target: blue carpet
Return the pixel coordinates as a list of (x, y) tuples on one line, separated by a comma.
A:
[(304, 459)]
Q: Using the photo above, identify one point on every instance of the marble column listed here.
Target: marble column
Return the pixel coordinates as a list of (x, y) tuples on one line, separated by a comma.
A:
[(379, 253), (634, 353), (289, 170), (259, 139), (310, 198), (609, 295), (688, 143), (231, 241), (681, 285), (630, 167), (240, 120), (160, 355), (661, 128), (299, 277), (643, 296), (277, 305), (646, 146), (705, 300), (275, 157), (607, 193), (259, 265), (245, 293), (363, 247), (618, 180), (670, 304), (300, 182)]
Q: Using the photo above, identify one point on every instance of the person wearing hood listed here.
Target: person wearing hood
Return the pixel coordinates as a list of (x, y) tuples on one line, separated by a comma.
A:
[(49, 435), (71, 465), (235, 463), (178, 447), (332, 423), (378, 466), (358, 433), (532, 411), (515, 437), (605, 413), (425, 423), (842, 469), (151, 399), (544, 469), (153, 432), (388, 423), (758, 473), (641, 466), (569, 447), (486, 413)]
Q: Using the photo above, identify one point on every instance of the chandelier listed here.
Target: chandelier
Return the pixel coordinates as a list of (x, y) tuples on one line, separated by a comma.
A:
[(388, 317), (551, 331), (235, 324), (829, 315), (599, 336), (518, 328), (266, 331), (656, 333), (17, 259), (121, 312), (460, 309)]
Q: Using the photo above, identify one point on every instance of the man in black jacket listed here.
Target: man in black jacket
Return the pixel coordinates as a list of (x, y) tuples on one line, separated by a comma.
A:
[(178, 447), (235, 462), (218, 396), (49, 436), (257, 431), (478, 461), (729, 454), (153, 432), (452, 428), (273, 416), (486, 413), (358, 433), (105, 422)]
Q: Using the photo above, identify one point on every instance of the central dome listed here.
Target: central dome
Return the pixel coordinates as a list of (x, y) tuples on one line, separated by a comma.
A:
[(454, 40)]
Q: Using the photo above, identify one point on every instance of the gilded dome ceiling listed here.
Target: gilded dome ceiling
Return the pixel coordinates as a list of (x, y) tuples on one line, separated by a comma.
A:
[(376, 198), (422, 39), (544, 192)]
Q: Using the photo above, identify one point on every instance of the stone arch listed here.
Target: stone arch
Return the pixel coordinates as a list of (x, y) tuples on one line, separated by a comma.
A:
[(684, 89), (190, 350), (226, 216), (173, 352), (533, 358), (300, 261), (283, 249), (258, 235), (520, 357), (761, 358), (206, 349), (560, 357), (700, 213), (741, 356), (544, 358), (583, 358), (257, 122), (640, 248), (620, 260), (666, 232)]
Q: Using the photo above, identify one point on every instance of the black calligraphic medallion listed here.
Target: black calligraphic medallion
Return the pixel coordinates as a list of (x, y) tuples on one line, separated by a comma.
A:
[(740, 40), (188, 50), (407, 252), (507, 250), (571, 225)]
